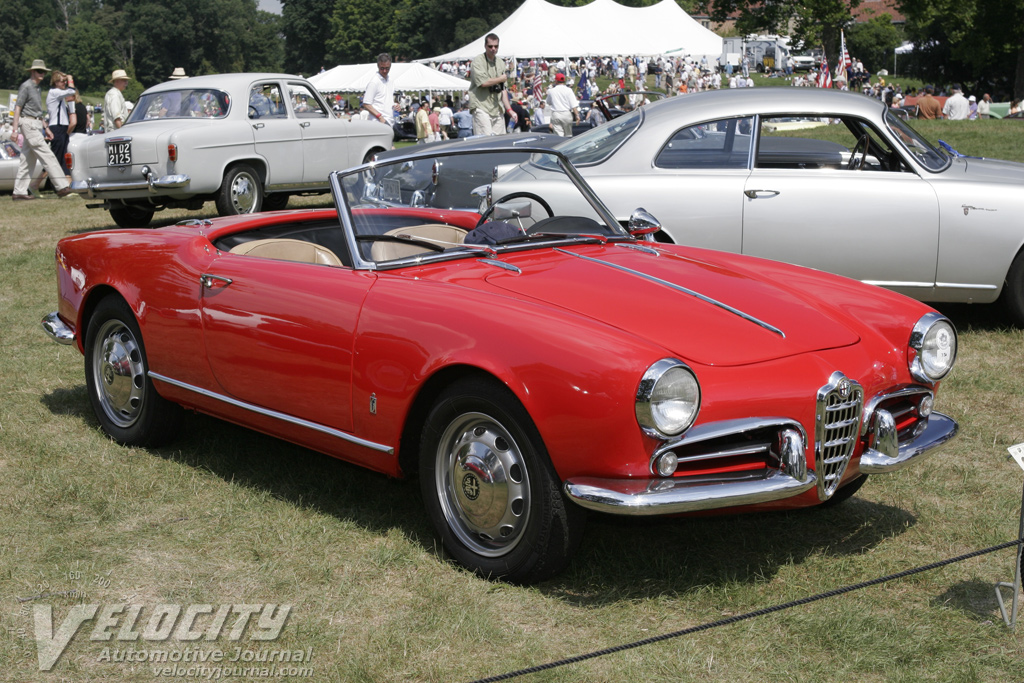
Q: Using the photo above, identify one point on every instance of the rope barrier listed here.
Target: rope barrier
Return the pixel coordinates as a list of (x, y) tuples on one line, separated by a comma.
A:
[(749, 615)]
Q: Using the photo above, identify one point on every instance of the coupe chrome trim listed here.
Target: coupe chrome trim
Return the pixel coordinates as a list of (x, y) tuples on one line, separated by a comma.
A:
[(57, 329), (344, 436), (839, 407), (684, 494), (938, 430), (680, 288), (500, 264), (902, 392), (638, 247)]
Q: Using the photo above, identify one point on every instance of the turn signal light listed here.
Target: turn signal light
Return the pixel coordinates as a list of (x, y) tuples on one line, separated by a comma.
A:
[(69, 160), (172, 152)]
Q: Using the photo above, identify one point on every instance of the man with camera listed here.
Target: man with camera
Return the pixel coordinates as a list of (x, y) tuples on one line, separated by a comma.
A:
[(488, 99)]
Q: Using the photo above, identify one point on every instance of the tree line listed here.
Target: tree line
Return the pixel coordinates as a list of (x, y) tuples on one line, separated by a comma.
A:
[(977, 43)]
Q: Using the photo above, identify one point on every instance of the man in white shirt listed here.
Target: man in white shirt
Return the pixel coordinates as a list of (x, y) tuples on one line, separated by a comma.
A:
[(957, 107), (379, 98), (564, 107), (115, 111)]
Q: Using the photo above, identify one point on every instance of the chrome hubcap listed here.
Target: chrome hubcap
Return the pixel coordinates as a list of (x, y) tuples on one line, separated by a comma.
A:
[(119, 373), (243, 193), (482, 484)]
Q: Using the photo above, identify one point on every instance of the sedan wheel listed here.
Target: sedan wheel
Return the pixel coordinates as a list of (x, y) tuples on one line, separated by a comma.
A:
[(489, 487), (127, 216), (123, 397), (241, 192)]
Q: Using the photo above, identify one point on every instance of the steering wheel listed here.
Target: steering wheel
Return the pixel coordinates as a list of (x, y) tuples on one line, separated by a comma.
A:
[(862, 147), (485, 216), (254, 113)]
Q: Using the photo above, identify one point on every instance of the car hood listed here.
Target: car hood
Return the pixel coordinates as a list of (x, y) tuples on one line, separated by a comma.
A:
[(698, 309), (990, 170)]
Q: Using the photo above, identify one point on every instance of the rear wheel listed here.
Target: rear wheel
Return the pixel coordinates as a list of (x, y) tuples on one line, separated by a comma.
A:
[(241, 192), (126, 404), (276, 201), (128, 216), (490, 489)]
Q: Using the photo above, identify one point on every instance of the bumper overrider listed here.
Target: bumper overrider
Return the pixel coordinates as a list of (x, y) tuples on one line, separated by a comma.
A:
[(148, 181), (57, 329), (886, 451)]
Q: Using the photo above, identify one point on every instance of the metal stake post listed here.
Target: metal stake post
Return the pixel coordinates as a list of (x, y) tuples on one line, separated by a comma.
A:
[(1018, 454)]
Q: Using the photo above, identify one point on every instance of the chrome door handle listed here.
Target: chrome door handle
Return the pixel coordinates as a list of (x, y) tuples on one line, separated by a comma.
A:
[(304, 124), (257, 126), (754, 194), (207, 280)]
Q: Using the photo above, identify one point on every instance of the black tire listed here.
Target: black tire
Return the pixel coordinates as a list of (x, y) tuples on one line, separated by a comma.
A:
[(489, 488), (241, 192), (846, 492), (128, 216), (1012, 297), (126, 404), (276, 201)]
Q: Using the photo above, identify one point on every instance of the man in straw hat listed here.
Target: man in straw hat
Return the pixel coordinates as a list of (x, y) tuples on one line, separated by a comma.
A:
[(114, 110), (28, 114)]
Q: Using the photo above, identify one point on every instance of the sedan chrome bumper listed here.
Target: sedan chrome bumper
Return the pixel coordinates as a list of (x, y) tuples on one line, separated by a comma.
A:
[(148, 181), (57, 329), (689, 494), (937, 431)]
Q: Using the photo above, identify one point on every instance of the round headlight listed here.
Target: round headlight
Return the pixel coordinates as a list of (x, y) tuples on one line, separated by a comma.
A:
[(668, 398), (934, 340)]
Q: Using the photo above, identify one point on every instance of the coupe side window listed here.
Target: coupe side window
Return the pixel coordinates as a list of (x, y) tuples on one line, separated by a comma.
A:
[(807, 142), (716, 144)]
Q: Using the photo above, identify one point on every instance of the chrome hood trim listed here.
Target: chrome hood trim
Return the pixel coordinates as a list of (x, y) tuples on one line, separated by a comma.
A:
[(680, 288)]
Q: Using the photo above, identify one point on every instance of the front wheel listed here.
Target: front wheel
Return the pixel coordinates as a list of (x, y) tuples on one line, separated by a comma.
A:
[(489, 488), (126, 404), (1012, 298), (241, 192)]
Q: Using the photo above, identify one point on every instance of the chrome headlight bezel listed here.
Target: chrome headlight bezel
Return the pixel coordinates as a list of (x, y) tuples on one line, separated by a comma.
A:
[(651, 398), (934, 345)]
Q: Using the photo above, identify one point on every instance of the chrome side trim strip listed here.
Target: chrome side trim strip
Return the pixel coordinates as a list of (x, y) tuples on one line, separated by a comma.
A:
[(276, 415), (687, 494), (961, 285), (898, 283), (680, 288), (940, 429)]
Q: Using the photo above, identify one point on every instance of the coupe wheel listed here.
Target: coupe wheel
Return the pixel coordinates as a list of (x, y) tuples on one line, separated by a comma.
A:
[(1012, 297), (127, 216), (241, 192), (116, 374), (490, 489)]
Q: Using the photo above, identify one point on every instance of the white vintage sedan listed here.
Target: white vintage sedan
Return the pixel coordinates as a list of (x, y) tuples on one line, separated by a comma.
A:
[(247, 141), (820, 178)]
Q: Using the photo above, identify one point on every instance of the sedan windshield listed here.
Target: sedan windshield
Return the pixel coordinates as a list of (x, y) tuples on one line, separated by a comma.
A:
[(598, 144), (181, 104), (454, 205), (919, 148)]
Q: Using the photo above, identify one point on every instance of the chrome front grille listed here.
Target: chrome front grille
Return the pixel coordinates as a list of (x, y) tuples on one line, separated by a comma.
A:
[(837, 428)]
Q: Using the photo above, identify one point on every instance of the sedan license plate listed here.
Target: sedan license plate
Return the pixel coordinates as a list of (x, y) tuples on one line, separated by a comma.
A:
[(119, 154)]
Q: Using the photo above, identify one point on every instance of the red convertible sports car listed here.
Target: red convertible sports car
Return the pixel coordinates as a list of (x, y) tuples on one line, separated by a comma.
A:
[(526, 355)]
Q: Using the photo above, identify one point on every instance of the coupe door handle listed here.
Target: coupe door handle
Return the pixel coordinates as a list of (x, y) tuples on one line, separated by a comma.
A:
[(754, 194), (257, 126), (208, 281)]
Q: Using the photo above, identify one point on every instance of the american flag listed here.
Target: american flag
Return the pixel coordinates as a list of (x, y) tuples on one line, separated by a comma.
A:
[(844, 58), (536, 81), (824, 77)]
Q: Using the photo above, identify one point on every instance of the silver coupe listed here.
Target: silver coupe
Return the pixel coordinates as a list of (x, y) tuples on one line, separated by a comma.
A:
[(826, 179)]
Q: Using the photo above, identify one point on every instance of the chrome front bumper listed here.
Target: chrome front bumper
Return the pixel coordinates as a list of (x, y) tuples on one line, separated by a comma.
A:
[(687, 494), (938, 430), (692, 494), (148, 181), (57, 329)]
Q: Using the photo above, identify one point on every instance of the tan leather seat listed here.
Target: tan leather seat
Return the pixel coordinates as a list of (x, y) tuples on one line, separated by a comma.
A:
[(439, 233), (284, 249)]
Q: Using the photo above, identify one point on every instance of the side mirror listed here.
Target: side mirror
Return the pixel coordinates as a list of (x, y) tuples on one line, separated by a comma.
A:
[(642, 223)]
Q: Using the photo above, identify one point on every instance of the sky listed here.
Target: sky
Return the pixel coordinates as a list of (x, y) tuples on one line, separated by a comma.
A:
[(271, 6)]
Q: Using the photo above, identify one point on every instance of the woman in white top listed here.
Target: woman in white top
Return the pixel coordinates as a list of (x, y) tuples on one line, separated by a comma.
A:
[(61, 86)]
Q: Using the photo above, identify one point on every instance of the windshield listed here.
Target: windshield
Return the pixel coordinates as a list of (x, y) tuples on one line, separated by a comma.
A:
[(181, 104), (599, 143), (461, 204), (919, 148)]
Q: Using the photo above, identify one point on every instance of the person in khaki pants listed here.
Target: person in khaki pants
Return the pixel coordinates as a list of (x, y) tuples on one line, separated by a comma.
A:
[(28, 115)]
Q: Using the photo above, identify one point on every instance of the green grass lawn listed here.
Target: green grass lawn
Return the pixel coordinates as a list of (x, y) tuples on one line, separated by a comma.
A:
[(224, 515)]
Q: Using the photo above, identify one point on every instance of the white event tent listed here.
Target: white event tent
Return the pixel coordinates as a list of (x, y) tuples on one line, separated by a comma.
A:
[(601, 28), (407, 78)]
